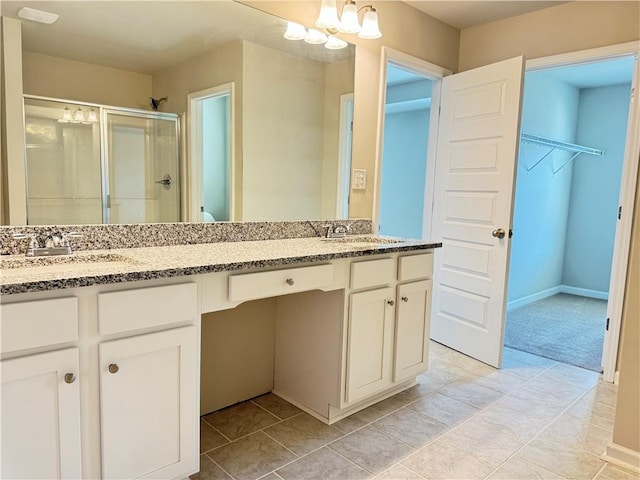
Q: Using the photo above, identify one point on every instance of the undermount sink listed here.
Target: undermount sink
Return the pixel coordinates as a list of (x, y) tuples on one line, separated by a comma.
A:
[(364, 239), (95, 262)]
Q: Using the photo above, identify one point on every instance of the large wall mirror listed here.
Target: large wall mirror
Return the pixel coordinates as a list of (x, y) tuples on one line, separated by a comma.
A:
[(264, 122)]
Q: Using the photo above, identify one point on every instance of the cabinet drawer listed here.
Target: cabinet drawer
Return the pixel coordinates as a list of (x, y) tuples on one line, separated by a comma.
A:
[(372, 273), (38, 323), (127, 310), (251, 286), (414, 267)]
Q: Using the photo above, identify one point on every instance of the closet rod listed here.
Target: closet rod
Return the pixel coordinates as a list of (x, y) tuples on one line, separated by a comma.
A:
[(548, 142)]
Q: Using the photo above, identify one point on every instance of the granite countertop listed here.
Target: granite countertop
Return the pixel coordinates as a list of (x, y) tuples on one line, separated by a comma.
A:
[(19, 274)]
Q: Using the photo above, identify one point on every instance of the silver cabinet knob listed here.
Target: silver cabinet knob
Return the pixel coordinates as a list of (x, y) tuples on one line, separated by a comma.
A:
[(113, 368), (69, 378), (391, 303), (290, 281), (405, 299), (499, 233)]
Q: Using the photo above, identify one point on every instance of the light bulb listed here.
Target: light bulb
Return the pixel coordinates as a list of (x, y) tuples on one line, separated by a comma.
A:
[(315, 37), (295, 31), (66, 116), (335, 43), (349, 21), (370, 28), (91, 116), (328, 17), (78, 116)]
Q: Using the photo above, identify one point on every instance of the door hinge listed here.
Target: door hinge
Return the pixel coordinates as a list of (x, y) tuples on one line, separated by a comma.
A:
[(108, 201), (620, 212), (607, 326)]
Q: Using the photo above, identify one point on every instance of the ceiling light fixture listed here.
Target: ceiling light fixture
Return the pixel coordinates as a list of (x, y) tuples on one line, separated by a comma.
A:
[(39, 16), (349, 22), (295, 31)]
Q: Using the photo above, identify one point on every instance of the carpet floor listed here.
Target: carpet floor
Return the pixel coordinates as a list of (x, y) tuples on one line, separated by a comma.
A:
[(566, 328)]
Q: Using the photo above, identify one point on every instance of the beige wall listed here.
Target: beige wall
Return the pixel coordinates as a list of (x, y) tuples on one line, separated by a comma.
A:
[(626, 431), (564, 28), (214, 68), (283, 117), (60, 78), (404, 28)]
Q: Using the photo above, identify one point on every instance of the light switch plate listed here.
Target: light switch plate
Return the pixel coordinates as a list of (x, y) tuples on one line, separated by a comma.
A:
[(359, 180)]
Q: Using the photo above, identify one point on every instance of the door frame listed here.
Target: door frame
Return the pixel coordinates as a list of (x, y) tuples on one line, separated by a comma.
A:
[(628, 186), (432, 72), (345, 140), (193, 166)]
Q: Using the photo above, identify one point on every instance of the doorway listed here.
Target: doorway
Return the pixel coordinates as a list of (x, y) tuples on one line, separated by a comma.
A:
[(574, 127), (211, 152), (406, 141)]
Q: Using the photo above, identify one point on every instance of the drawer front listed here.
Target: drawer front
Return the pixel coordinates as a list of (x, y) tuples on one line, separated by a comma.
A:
[(414, 267), (372, 273), (128, 310), (251, 286), (38, 323)]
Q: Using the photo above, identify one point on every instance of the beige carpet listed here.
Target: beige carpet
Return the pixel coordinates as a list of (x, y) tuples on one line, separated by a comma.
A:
[(563, 327)]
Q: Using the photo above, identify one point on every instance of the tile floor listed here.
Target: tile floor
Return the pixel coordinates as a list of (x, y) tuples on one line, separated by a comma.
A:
[(533, 419)]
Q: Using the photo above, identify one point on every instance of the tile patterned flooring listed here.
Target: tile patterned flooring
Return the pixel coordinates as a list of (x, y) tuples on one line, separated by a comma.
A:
[(533, 419)]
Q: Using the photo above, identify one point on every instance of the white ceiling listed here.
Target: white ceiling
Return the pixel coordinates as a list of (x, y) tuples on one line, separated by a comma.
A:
[(149, 36), (464, 14), (595, 74)]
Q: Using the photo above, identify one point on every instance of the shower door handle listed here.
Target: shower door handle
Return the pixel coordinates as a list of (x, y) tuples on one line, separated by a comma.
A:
[(166, 181)]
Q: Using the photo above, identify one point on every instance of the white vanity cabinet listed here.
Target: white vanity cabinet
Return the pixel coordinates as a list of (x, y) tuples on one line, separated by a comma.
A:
[(339, 352), (148, 401), (101, 382), (387, 328), (149, 383), (40, 392)]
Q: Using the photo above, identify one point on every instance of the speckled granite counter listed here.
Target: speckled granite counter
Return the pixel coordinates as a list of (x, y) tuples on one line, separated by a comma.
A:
[(98, 267)]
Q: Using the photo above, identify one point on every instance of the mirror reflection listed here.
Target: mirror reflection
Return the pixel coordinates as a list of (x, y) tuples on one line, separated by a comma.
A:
[(265, 122)]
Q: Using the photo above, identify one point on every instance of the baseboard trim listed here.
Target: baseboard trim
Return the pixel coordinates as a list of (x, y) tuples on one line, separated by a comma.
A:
[(622, 456), (521, 302), (580, 292), (584, 292)]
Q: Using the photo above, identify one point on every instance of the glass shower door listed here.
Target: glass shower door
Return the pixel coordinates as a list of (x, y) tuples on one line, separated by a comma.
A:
[(63, 168), (141, 159)]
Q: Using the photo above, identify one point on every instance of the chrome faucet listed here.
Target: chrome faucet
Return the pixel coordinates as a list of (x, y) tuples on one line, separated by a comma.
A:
[(54, 244), (337, 231)]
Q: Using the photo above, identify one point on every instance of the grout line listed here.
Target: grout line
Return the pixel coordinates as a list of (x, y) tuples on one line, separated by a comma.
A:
[(222, 434), (220, 466), (282, 445)]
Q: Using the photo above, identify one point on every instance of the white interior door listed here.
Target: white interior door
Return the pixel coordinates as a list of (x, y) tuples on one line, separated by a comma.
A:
[(475, 176)]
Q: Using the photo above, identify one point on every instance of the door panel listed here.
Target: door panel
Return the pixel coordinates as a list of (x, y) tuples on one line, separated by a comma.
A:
[(412, 330), (369, 343), (41, 416), (475, 175), (148, 405)]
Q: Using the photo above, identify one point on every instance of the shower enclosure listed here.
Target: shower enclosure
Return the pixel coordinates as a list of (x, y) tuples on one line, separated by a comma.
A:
[(95, 164)]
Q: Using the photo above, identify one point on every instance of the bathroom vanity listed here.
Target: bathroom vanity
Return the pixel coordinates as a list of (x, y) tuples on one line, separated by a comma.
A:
[(101, 355)]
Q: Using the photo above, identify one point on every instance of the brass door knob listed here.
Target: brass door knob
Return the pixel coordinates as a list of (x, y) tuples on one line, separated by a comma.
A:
[(69, 378), (113, 368), (499, 233)]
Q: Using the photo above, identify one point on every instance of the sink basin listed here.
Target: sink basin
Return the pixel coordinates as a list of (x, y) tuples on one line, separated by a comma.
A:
[(364, 239), (91, 263)]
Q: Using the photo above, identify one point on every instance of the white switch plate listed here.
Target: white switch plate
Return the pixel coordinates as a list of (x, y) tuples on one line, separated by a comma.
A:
[(359, 180)]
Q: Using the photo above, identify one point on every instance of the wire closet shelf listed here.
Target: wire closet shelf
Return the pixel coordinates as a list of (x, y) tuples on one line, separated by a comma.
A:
[(556, 144)]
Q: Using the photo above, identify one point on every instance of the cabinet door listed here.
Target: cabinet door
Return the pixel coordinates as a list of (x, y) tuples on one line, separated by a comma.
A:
[(41, 416), (148, 405), (412, 330), (369, 343)]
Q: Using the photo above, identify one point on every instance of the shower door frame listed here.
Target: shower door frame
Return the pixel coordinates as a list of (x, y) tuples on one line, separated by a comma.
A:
[(104, 161), (105, 158)]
